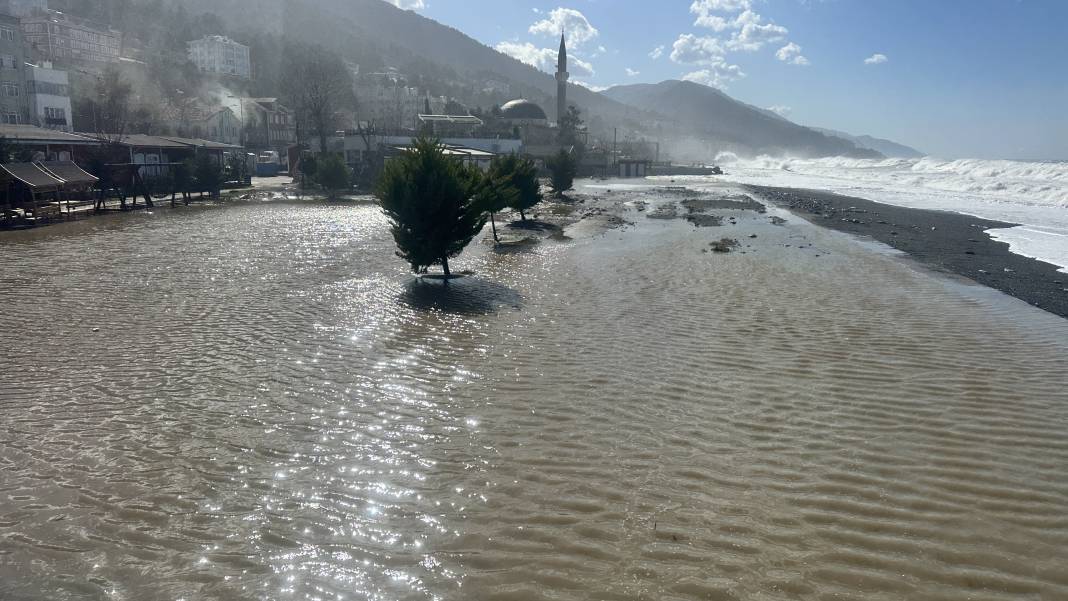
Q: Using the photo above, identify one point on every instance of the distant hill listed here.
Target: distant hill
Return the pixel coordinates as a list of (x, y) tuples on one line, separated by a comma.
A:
[(403, 37), (886, 147), (700, 122), (737, 126)]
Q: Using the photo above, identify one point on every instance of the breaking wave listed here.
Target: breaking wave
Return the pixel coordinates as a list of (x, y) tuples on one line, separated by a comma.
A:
[(1033, 194)]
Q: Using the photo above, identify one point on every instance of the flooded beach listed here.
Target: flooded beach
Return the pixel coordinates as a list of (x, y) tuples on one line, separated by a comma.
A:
[(259, 401)]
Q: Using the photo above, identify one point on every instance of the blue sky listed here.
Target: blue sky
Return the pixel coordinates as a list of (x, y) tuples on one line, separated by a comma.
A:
[(955, 78)]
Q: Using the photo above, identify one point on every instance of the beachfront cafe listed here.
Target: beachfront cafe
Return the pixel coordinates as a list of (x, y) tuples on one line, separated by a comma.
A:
[(45, 144), (34, 192)]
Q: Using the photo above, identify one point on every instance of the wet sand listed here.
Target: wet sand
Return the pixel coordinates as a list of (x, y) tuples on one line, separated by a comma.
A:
[(942, 240)]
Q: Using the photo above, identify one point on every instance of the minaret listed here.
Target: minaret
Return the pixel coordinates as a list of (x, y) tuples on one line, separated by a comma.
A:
[(561, 81)]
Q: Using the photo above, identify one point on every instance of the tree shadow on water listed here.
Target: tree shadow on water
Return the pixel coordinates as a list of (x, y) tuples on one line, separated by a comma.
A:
[(465, 295)]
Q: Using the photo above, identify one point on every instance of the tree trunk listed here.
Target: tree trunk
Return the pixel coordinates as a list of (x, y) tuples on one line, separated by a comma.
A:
[(522, 215), (445, 268), (493, 223)]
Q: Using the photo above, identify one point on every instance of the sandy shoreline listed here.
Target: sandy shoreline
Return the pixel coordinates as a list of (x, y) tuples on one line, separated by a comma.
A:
[(945, 241)]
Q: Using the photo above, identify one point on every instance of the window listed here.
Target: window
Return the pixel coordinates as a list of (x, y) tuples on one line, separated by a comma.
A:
[(11, 118), (7, 61), (57, 114), (7, 34), (9, 89)]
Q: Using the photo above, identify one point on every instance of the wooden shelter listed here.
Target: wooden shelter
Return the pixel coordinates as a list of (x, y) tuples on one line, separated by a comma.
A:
[(25, 185), (76, 181)]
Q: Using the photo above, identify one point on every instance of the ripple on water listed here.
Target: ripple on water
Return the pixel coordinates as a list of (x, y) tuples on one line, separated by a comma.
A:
[(271, 407)]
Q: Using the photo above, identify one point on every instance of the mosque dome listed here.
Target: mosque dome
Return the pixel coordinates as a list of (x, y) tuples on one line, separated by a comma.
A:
[(522, 110)]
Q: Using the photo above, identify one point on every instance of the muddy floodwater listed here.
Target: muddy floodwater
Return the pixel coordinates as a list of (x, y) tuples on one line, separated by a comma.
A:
[(259, 402)]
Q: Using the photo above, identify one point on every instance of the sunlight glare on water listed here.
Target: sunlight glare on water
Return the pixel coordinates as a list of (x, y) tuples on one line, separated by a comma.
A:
[(259, 402)]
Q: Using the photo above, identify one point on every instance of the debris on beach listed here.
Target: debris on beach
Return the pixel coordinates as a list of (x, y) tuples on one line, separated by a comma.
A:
[(723, 245), (700, 220), (777, 220), (665, 211)]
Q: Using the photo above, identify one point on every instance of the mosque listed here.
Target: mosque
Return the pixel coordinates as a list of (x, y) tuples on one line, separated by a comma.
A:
[(539, 135)]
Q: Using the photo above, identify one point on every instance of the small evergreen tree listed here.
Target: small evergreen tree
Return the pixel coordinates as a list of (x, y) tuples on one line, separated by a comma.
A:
[(570, 125), (208, 174), (562, 168), (493, 191), (182, 177), (333, 175), (522, 175), (430, 202), (309, 167)]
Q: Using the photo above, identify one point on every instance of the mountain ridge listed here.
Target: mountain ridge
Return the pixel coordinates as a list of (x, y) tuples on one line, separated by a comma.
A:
[(889, 148), (739, 127)]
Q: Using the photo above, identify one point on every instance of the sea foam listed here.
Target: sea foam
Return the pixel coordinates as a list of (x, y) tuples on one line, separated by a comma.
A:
[(1033, 194)]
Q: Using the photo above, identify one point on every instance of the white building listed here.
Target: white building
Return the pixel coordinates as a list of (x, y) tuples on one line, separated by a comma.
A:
[(221, 56), (48, 93), (56, 36), (385, 102)]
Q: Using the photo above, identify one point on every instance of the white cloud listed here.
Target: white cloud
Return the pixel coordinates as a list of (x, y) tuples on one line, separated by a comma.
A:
[(780, 110), (702, 8), (690, 49), (707, 52), (656, 52), (717, 76), (528, 53), (542, 58), (567, 20), (590, 86), (791, 54), (632, 72), (752, 34), (409, 4), (576, 66), (876, 59)]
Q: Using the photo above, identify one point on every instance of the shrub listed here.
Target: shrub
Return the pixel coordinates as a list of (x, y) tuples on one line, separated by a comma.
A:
[(562, 168)]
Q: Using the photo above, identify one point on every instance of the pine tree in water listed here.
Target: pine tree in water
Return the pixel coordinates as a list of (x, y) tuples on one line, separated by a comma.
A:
[(431, 203), (522, 176)]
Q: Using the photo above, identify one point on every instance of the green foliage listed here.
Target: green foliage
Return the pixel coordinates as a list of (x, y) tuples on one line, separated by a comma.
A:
[(333, 175), (309, 165), (570, 125), (562, 169), (237, 168), (208, 174), (430, 199), (7, 149), (521, 175), (182, 175)]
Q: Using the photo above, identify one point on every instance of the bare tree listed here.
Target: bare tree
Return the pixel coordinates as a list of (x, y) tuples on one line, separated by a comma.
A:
[(317, 84), (109, 108)]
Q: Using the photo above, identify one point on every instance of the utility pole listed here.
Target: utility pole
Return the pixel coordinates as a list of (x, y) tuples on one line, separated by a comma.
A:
[(615, 157)]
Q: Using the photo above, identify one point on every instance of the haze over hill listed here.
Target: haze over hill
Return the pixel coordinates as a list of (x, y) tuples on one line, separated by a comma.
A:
[(702, 121), (739, 127), (888, 148)]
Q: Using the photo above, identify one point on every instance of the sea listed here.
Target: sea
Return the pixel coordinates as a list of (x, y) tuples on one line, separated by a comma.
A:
[(1032, 194)]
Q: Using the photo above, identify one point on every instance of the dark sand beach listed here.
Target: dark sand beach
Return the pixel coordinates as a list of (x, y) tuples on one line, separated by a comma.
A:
[(946, 241)]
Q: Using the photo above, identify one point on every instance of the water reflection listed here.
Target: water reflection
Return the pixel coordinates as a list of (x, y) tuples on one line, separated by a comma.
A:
[(272, 408), (466, 295)]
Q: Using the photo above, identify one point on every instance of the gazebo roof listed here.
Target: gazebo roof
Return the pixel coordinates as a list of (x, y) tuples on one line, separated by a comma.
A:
[(69, 172), (31, 175)]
